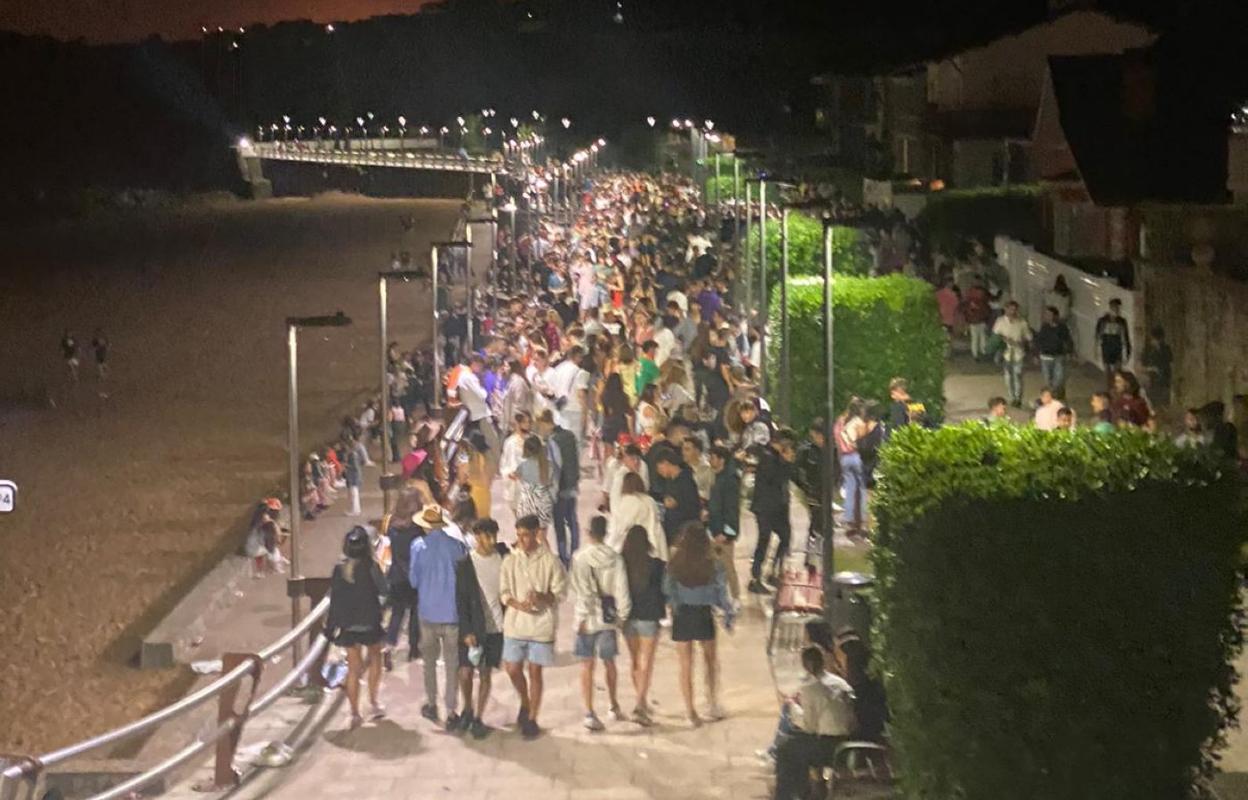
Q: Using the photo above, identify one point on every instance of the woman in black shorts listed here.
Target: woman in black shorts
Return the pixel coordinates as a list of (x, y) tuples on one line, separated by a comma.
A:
[(694, 584), (355, 602)]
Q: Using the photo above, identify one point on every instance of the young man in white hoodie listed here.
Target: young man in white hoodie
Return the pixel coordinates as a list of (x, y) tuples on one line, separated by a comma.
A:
[(531, 583), (600, 588)]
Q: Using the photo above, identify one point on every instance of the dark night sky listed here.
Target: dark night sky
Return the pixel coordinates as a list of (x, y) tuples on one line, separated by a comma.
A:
[(129, 20)]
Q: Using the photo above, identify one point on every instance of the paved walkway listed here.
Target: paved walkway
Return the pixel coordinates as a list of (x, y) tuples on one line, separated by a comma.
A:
[(407, 756)]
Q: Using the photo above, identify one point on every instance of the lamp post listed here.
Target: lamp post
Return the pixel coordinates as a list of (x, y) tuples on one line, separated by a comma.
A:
[(434, 251), (829, 422), (786, 396), (736, 206), (383, 279), (743, 249), (293, 325)]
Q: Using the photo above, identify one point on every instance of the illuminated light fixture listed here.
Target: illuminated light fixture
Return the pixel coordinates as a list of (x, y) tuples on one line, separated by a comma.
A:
[(536, 115), (487, 131), (710, 126), (594, 147), (460, 121), (242, 30), (423, 130), (515, 123), (359, 121), (286, 119), (650, 121), (321, 120), (676, 123), (567, 123), (445, 129), (602, 142), (403, 121), (203, 28), (370, 116), (329, 28), (244, 142), (688, 123)]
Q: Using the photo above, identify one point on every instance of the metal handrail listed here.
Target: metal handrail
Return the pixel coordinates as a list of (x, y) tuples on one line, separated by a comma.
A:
[(30, 768)]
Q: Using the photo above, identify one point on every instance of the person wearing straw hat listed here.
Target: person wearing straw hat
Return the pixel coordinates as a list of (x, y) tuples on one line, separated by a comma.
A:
[(432, 575)]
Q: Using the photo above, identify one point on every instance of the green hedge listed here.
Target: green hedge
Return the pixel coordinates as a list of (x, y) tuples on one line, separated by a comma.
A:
[(1057, 612), (951, 217), (851, 252), (882, 327)]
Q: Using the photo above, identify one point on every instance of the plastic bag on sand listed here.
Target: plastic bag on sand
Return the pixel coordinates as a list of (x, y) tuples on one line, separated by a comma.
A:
[(210, 667)]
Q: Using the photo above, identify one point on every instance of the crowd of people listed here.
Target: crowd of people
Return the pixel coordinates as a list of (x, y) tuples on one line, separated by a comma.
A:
[(621, 357)]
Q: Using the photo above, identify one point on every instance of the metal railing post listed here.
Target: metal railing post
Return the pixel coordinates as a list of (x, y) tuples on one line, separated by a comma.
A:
[(224, 776)]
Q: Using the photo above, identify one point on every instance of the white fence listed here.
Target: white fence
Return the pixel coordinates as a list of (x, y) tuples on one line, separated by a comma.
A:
[(1032, 274)]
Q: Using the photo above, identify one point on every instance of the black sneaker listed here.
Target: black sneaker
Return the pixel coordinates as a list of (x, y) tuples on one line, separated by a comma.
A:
[(529, 730), (756, 587), (479, 730), (454, 723), (413, 654), (429, 712), (387, 660), (522, 718)]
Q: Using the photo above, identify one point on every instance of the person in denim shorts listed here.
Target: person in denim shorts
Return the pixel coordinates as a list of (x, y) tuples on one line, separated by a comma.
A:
[(641, 627), (600, 587)]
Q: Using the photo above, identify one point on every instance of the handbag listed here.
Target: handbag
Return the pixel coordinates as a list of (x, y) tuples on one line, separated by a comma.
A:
[(610, 613)]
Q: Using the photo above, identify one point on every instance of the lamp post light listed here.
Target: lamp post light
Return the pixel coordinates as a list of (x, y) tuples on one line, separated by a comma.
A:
[(293, 325), (492, 221), (383, 279), (736, 206), (743, 250), (567, 123), (829, 421), (514, 267), (442, 132), (435, 250), (650, 121), (786, 367)]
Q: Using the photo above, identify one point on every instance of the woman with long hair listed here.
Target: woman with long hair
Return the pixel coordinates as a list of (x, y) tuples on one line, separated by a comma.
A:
[(518, 396), (695, 584), (641, 629), (1127, 402), (537, 478), (674, 386), (649, 416), (634, 507), (616, 409), (357, 589), (849, 428)]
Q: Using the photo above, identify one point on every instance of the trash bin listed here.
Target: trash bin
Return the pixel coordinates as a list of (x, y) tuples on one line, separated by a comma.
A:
[(850, 604)]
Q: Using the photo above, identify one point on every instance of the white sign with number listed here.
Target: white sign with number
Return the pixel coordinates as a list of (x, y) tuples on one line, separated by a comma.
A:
[(8, 496)]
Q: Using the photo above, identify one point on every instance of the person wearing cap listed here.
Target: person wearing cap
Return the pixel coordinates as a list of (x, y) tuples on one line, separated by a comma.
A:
[(432, 575), (354, 619)]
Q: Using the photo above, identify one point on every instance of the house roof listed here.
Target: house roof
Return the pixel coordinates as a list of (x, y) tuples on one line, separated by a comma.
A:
[(1139, 132)]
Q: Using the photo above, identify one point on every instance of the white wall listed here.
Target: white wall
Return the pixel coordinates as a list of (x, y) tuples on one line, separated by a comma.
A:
[(1032, 274)]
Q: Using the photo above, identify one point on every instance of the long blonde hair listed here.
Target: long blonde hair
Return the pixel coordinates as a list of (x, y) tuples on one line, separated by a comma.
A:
[(533, 449)]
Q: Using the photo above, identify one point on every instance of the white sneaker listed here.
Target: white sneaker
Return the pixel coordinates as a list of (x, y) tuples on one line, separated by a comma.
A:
[(617, 715), (715, 712), (592, 723)]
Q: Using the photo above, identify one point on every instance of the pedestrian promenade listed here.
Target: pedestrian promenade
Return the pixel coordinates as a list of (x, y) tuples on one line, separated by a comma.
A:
[(406, 756)]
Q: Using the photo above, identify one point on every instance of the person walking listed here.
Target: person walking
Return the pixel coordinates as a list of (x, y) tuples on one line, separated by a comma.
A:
[(1055, 345), (69, 352), (694, 585), (1016, 335), (353, 475), (641, 626), (678, 493), (723, 514), (849, 429), (403, 529), (566, 451), (531, 584), (480, 609), (771, 505), (976, 311), (433, 577), (1113, 336), (99, 345), (537, 482), (600, 587), (354, 619)]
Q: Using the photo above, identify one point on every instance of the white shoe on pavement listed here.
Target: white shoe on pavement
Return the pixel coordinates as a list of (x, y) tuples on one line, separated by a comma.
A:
[(592, 723)]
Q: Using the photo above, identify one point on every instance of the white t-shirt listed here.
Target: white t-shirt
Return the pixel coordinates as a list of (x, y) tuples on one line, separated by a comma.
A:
[(472, 395), (1016, 333), (488, 570), (568, 380)]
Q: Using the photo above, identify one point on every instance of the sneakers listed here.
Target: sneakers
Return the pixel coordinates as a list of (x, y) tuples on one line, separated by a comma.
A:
[(377, 711), (479, 729), (617, 715), (756, 587), (641, 715), (429, 712), (529, 729), (522, 718), (694, 720), (715, 712), (592, 723), (387, 660), (356, 721)]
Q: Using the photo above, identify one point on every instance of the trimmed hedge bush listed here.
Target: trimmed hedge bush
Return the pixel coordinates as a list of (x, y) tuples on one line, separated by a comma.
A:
[(850, 249), (1057, 612), (951, 217), (883, 328)]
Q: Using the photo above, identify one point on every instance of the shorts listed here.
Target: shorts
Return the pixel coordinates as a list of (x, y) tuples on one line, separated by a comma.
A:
[(491, 652), (693, 624), (642, 628), (518, 651), (602, 644), (366, 638)]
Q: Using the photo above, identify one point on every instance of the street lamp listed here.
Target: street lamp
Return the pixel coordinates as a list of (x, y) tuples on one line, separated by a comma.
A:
[(650, 121), (434, 251), (293, 325), (830, 451), (383, 318), (510, 208), (567, 123)]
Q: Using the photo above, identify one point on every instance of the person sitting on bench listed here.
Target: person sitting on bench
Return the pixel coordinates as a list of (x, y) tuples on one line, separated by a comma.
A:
[(823, 716)]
